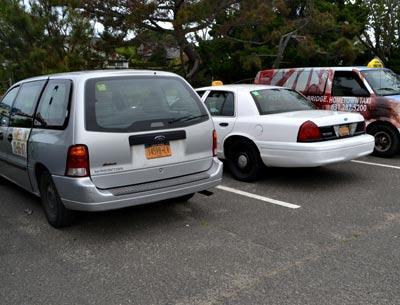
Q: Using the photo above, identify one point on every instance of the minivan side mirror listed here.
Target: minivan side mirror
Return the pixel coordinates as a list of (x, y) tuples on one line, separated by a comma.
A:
[(360, 92)]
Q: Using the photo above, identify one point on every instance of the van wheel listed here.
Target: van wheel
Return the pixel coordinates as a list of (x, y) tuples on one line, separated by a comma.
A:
[(56, 213), (386, 141), (244, 161)]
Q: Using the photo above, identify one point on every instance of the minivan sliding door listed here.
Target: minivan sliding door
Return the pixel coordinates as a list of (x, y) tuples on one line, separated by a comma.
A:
[(18, 132)]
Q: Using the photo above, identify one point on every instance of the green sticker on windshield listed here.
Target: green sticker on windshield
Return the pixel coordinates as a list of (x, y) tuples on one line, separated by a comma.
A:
[(256, 93), (101, 87)]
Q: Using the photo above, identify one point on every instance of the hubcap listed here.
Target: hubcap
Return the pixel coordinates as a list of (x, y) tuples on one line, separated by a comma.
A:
[(242, 161), (382, 141)]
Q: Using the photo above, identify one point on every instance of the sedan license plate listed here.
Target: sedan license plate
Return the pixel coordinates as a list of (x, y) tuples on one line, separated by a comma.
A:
[(344, 131), (157, 150)]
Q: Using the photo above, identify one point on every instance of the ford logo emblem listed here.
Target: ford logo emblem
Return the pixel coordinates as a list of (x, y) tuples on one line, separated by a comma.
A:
[(160, 139), (345, 119)]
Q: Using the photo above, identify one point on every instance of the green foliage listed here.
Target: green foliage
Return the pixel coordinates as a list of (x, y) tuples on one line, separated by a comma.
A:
[(230, 40), (321, 33), (43, 38)]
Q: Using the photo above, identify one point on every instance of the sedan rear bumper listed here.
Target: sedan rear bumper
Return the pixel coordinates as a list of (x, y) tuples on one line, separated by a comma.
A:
[(81, 194), (317, 153)]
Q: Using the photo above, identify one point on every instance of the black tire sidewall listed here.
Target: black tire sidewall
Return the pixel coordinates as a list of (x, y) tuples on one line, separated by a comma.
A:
[(60, 217), (254, 156), (394, 137)]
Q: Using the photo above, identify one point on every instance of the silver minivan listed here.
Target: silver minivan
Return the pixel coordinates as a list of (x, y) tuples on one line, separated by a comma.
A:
[(102, 140)]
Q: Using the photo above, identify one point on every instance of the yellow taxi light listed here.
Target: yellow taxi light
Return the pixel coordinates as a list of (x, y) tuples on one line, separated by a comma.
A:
[(217, 83), (375, 63)]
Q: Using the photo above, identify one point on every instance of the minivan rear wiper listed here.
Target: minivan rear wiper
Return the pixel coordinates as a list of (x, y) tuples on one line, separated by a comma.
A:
[(187, 118)]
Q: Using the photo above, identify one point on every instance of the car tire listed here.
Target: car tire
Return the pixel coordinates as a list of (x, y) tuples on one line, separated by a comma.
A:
[(56, 213), (386, 141), (244, 161)]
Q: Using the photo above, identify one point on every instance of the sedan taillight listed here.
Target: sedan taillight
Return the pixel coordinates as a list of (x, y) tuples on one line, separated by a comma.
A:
[(78, 161), (308, 132)]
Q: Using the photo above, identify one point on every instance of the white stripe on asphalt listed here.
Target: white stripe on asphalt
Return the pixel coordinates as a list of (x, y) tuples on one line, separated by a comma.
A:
[(376, 164), (258, 197)]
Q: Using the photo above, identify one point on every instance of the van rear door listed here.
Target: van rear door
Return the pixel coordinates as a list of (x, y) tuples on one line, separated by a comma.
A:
[(145, 128)]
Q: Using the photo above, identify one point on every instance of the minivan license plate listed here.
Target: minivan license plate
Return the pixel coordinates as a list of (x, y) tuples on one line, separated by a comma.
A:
[(344, 131), (157, 150)]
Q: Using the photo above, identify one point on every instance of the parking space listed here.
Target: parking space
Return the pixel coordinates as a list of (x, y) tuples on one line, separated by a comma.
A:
[(328, 235)]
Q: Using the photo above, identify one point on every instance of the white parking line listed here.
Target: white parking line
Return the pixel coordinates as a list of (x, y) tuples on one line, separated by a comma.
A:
[(258, 197), (376, 164)]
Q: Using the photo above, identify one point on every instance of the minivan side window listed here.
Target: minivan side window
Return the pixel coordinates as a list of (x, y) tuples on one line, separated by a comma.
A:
[(52, 111), (5, 106), (345, 83), (220, 103), (25, 104)]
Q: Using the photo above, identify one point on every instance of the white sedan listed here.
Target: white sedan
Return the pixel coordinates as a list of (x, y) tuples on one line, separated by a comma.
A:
[(266, 125)]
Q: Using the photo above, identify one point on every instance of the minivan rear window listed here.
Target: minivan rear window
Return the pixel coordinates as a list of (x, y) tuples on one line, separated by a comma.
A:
[(141, 103)]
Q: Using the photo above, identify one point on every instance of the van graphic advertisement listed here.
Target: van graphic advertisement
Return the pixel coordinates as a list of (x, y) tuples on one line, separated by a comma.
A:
[(373, 92)]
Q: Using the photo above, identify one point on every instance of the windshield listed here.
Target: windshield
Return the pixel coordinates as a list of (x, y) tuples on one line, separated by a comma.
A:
[(130, 104), (279, 100), (383, 81)]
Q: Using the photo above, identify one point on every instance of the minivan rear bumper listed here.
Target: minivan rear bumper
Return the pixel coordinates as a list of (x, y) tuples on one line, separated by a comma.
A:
[(81, 194)]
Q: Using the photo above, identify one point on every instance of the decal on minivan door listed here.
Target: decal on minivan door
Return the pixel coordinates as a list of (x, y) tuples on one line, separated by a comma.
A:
[(19, 141)]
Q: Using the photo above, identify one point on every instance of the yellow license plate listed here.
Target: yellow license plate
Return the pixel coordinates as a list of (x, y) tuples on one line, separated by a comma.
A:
[(344, 131), (157, 151)]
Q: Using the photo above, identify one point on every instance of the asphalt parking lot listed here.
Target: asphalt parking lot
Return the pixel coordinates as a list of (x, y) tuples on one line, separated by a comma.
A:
[(329, 235)]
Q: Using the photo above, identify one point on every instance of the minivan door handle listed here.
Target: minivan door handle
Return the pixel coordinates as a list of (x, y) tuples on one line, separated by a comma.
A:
[(9, 137), (223, 124)]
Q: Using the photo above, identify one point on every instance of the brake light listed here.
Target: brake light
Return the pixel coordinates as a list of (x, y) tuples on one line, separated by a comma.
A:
[(78, 161), (308, 132), (214, 143)]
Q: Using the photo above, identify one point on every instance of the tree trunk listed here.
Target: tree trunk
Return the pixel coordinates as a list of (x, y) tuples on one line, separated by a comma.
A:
[(283, 42), (191, 53)]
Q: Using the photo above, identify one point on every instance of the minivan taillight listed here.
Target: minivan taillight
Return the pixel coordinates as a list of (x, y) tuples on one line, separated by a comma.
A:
[(78, 161), (214, 143), (308, 132)]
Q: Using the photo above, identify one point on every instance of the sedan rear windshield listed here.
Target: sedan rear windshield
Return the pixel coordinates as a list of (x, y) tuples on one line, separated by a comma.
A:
[(130, 104), (279, 100)]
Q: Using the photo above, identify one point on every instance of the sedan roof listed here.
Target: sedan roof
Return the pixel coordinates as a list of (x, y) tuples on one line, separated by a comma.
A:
[(243, 87)]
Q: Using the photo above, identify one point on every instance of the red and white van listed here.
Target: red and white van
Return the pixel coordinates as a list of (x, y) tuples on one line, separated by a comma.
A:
[(375, 93)]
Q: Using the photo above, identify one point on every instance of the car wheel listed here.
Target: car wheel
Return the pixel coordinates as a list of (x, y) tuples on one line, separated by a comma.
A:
[(244, 161), (56, 213), (386, 141)]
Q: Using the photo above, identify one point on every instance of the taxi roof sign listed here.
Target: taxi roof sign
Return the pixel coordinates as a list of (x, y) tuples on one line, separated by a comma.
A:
[(217, 83), (375, 63)]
